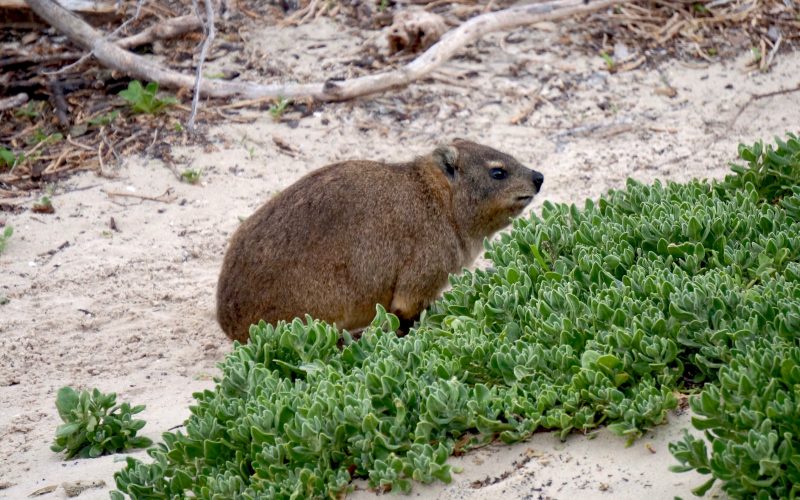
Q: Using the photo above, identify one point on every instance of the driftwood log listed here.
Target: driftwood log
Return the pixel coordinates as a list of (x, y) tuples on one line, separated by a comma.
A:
[(136, 66)]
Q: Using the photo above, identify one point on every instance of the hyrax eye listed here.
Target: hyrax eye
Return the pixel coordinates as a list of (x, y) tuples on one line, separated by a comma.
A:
[(498, 173)]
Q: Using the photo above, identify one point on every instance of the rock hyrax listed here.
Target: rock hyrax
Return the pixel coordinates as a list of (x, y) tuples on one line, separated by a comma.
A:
[(355, 234)]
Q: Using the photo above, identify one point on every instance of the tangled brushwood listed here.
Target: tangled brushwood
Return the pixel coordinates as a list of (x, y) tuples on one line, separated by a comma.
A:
[(60, 114), (599, 316)]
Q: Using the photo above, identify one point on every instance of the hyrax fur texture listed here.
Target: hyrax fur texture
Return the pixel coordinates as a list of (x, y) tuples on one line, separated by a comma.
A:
[(359, 233)]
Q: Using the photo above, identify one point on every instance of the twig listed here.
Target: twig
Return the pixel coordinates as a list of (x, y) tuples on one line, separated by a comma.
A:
[(110, 146), (166, 197), (763, 66), (208, 29), (79, 145), (13, 102), (301, 15), (235, 117), (536, 99), (137, 66), (246, 103), (774, 51), (170, 28), (100, 159), (38, 59), (668, 130), (284, 146), (53, 167), (758, 97), (124, 25), (631, 65), (36, 147), (155, 137), (132, 137), (601, 130), (110, 36)]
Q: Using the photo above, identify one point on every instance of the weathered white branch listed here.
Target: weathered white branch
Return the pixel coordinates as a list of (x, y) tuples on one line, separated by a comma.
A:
[(169, 28), (140, 67), (13, 102), (83, 6), (208, 30)]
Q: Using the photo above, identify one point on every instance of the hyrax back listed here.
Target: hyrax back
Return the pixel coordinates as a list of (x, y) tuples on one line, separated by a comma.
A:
[(359, 233)]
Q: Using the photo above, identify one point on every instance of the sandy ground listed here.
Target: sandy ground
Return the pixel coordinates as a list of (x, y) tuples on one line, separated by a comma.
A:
[(132, 311)]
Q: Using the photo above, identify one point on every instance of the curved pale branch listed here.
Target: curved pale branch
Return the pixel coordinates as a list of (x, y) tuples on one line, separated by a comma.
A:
[(137, 66)]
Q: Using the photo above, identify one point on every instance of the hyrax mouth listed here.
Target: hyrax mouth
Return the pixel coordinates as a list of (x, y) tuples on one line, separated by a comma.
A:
[(523, 200)]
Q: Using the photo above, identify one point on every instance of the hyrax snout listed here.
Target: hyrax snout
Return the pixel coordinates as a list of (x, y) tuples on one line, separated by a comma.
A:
[(355, 234)]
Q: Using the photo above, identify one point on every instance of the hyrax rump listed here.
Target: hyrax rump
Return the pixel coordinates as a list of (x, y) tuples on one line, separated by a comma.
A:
[(359, 233)]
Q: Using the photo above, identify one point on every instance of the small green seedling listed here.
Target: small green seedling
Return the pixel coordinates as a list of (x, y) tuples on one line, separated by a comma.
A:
[(251, 152), (95, 425), (277, 109), (191, 175), (40, 137), (43, 206), (608, 60), (104, 119), (8, 159), (144, 100), (178, 127), (7, 232), (31, 110), (756, 52)]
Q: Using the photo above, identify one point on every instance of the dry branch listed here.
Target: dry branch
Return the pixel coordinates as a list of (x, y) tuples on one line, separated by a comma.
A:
[(208, 39), (169, 28), (758, 97), (167, 197), (85, 6), (13, 102), (140, 67)]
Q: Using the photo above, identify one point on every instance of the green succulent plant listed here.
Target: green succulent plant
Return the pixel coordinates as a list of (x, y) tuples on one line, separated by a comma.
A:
[(591, 316), (95, 425)]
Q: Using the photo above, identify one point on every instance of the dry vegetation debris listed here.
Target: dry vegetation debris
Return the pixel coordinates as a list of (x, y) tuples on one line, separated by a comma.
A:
[(60, 112)]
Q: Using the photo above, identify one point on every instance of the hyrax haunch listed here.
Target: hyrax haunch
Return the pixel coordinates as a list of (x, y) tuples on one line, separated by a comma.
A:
[(359, 233)]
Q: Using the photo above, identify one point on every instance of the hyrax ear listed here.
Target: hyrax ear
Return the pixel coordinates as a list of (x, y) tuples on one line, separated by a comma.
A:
[(445, 157)]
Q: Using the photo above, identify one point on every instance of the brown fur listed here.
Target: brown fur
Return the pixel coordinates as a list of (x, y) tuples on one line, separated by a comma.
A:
[(359, 233)]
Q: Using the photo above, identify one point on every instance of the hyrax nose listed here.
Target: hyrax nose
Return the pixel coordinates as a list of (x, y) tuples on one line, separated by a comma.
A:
[(538, 179)]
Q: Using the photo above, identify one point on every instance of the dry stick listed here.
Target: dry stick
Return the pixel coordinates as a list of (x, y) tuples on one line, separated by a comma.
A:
[(102, 166), (208, 29), (774, 50), (13, 102), (39, 58), (301, 15), (140, 67), (166, 197), (170, 28), (78, 144), (756, 97), (113, 33), (124, 25), (536, 99)]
